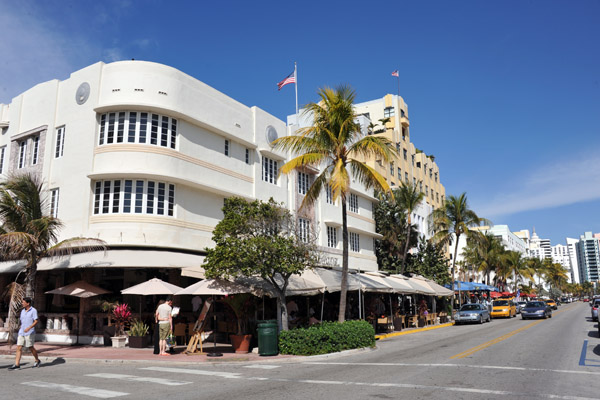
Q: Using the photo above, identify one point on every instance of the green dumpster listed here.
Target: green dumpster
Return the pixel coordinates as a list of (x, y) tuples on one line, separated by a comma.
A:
[(267, 338)]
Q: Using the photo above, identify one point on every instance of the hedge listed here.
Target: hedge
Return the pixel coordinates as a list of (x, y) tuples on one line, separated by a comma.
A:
[(327, 337)]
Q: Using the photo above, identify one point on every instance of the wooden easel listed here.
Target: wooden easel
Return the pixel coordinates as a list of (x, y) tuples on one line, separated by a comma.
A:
[(196, 338)]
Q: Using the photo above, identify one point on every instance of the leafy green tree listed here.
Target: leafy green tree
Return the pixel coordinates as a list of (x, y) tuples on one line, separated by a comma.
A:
[(430, 262), (259, 239), (408, 197), (334, 143), (28, 231), (453, 220), (391, 223)]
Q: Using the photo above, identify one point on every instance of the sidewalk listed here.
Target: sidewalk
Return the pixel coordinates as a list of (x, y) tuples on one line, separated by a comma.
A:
[(59, 353)]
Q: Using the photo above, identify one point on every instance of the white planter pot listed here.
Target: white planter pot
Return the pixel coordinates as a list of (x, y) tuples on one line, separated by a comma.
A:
[(118, 341)]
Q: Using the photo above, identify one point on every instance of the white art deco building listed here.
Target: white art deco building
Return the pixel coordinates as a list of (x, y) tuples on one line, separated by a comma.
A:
[(142, 156)]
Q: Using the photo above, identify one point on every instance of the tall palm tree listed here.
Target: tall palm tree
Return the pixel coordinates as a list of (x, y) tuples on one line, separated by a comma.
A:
[(409, 198), (335, 143), (28, 232), (453, 220), (517, 268), (556, 276)]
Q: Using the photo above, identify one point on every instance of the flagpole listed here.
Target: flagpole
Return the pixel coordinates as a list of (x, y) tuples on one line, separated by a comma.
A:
[(398, 84), (296, 85)]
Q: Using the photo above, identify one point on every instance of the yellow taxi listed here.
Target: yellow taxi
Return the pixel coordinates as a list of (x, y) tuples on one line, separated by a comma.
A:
[(504, 308), (552, 304)]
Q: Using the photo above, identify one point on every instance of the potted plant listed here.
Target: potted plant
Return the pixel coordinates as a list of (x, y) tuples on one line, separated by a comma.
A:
[(241, 305), (122, 316), (138, 334)]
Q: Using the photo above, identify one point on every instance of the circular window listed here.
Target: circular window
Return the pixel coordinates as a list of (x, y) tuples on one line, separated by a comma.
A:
[(271, 135), (83, 92)]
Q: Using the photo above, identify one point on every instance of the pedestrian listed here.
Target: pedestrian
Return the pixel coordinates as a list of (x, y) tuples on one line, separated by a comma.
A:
[(165, 323), (28, 320), (156, 336)]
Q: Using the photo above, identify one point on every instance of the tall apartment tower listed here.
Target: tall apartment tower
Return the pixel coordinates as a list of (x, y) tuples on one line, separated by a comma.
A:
[(588, 257), (575, 270), (560, 255)]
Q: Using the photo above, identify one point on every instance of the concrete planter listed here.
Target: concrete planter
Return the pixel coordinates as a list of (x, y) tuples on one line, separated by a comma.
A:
[(118, 341)]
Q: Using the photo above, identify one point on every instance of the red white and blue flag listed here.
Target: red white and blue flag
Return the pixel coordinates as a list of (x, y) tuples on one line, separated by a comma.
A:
[(395, 73), (291, 78)]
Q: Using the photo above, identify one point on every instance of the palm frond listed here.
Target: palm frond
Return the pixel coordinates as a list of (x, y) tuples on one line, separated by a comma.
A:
[(373, 146), (339, 181), (304, 160), (369, 177), (75, 246), (312, 195), (17, 293)]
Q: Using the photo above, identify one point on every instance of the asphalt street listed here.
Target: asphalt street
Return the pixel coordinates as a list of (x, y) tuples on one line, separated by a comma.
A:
[(557, 358)]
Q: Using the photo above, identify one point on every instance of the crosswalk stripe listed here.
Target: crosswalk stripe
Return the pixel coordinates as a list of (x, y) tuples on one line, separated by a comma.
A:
[(81, 390), (231, 375), (262, 366), (133, 378)]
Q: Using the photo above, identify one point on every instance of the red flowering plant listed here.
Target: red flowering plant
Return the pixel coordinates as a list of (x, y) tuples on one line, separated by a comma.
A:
[(122, 316)]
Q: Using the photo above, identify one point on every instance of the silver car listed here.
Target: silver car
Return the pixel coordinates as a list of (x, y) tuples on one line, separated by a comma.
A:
[(472, 313), (595, 304)]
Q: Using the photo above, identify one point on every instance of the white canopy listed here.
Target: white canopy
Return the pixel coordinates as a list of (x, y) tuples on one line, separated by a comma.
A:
[(418, 286), (438, 289), (80, 289), (217, 287), (151, 287)]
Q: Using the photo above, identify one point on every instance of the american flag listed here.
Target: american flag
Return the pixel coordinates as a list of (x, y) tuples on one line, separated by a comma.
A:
[(395, 73), (291, 78)]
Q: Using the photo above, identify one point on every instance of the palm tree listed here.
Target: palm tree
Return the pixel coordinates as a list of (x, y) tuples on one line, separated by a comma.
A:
[(28, 232), (556, 276), (485, 255), (455, 218), (335, 142), (517, 267), (408, 197)]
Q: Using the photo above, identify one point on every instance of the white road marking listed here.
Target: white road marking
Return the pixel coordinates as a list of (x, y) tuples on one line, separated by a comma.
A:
[(228, 375), (560, 371), (258, 366), (81, 390), (133, 378)]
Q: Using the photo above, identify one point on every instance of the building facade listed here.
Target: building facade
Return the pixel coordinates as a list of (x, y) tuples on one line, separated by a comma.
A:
[(588, 257)]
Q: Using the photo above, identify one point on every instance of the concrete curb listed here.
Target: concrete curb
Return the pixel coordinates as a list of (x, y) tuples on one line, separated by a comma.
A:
[(429, 328)]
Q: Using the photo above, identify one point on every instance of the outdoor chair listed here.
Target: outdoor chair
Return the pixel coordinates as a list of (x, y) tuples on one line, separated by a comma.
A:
[(412, 320), (179, 331)]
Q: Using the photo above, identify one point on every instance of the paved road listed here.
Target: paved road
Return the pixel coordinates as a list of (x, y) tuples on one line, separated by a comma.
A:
[(558, 358)]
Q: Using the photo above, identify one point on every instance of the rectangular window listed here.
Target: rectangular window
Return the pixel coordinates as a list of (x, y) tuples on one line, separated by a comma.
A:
[(59, 148), (413, 159), (248, 156), (418, 164), (150, 198), (143, 127), (421, 186), (160, 209), (116, 196), (54, 203), (398, 147), (388, 112), (127, 196), (22, 153), (392, 169), (110, 134), (302, 183), (399, 173), (303, 229), (171, 200), (269, 170), (226, 149), (106, 198), (173, 133), (97, 193), (164, 132), (430, 173), (403, 133), (332, 237), (436, 176), (36, 150), (406, 177), (121, 127), (102, 129), (132, 127), (154, 130), (354, 240), (139, 196), (426, 190), (2, 153), (353, 203), (405, 152), (329, 194), (415, 181)]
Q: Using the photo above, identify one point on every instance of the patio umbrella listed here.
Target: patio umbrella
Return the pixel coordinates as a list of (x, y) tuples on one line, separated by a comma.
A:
[(152, 287), (83, 290), (215, 287)]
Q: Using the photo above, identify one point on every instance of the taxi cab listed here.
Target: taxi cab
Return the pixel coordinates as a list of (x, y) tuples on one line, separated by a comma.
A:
[(552, 304), (504, 308)]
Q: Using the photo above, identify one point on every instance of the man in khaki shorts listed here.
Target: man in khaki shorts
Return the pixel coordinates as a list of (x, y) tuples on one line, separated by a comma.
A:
[(165, 324), (28, 319)]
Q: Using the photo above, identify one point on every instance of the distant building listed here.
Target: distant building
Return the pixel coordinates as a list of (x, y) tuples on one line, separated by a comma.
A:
[(574, 264), (588, 257), (560, 255), (539, 248)]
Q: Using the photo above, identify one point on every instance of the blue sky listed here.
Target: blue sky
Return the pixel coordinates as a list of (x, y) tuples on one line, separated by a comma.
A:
[(505, 94)]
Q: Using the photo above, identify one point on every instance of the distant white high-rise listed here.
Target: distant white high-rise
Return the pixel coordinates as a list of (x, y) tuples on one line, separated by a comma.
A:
[(539, 248), (560, 255), (588, 257), (572, 248)]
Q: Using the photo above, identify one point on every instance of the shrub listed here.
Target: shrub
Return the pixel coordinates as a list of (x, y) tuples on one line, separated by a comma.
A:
[(327, 337)]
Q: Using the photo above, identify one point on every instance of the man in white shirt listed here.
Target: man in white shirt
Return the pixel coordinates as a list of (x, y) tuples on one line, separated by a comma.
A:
[(29, 319), (165, 324)]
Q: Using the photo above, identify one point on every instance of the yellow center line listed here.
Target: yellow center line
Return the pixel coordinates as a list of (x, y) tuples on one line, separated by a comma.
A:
[(499, 339)]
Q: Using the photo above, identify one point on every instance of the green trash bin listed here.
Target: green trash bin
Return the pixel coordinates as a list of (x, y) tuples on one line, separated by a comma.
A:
[(267, 338)]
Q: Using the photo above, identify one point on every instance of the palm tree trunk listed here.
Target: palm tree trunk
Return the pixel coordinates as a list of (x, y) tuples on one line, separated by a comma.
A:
[(406, 245), (344, 286), (30, 280), (454, 266)]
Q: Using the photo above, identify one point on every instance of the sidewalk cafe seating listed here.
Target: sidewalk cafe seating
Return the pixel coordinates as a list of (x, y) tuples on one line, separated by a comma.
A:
[(443, 317), (384, 324), (412, 321), (198, 329), (179, 331)]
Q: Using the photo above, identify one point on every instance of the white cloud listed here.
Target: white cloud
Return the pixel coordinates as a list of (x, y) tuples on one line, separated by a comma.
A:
[(562, 183)]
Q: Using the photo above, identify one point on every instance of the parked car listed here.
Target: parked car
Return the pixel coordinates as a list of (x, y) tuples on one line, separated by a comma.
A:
[(536, 309), (472, 313), (504, 308), (595, 305), (552, 304)]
